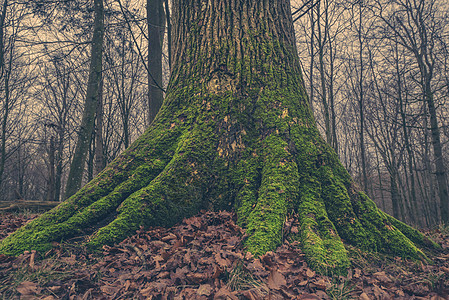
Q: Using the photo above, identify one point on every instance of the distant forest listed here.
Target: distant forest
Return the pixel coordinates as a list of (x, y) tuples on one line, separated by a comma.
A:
[(376, 72)]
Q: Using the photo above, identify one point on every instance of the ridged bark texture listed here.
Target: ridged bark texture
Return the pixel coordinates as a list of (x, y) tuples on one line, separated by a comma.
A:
[(235, 131)]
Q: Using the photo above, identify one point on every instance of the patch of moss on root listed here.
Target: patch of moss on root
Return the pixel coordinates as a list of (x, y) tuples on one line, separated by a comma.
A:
[(276, 196), (99, 198), (318, 236)]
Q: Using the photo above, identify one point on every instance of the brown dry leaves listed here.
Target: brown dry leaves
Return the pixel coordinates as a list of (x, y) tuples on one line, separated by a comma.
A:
[(204, 258)]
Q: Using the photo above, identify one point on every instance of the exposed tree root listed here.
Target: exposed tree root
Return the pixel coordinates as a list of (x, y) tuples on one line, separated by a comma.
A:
[(318, 236), (276, 196), (161, 185), (99, 198)]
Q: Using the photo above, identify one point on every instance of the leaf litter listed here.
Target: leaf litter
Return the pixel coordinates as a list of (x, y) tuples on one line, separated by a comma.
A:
[(204, 258)]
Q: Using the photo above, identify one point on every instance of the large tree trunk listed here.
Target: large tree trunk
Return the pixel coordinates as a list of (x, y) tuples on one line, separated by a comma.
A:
[(235, 131)]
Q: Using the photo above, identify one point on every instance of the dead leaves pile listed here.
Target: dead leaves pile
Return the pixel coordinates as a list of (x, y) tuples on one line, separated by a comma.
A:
[(11, 222), (204, 258)]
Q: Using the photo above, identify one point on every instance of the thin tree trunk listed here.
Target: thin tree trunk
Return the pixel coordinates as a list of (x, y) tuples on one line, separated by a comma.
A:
[(381, 187), (6, 112), (322, 37), (431, 185), (59, 164), (91, 158), (395, 197), (441, 174), (410, 179), (51, 168), (168, 20), (312, 57), (425, 203), (88, 120), (3, 73), (332, 99), (99, 151), (361, 104), (156, 27)]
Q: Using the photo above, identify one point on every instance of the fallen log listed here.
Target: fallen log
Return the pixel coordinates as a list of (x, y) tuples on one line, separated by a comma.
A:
[(33, 205)]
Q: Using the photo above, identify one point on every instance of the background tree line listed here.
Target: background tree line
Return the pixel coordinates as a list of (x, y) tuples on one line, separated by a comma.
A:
[(376, 72)]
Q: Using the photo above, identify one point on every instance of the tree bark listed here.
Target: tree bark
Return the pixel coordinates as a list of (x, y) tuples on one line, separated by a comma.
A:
[(59, 163), (168, 20), (156, 28), (312, 56), (99, 150), (439, 159), (3, 74), (322, 40), (51, 170), (235, 131), (88, 120), (361, 103)]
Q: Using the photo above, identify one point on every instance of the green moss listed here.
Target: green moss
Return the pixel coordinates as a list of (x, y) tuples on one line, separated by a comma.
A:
[(418, 238), (176, 193), (248, 175), (389, 238), (98, 198), (278, 193), (319, 239), (339, 207)]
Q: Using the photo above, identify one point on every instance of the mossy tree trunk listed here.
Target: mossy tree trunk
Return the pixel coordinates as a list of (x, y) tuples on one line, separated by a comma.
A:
[(235, 131)]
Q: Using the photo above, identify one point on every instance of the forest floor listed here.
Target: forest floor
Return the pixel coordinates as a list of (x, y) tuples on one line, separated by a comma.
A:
[(203, 258)]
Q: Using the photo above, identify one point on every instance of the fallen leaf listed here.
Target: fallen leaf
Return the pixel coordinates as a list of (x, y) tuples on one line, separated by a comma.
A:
[(320, 284), (158, 259), (69, 260), (27, 288), (249, 255), (169, 237), (276, 280), (217, 272), (205, 290), (364, 296), (196, 277), (224, 294), (55, 288), (108, 289), (437, 298), (222, 262), (381, 276), (33, 255), (303, 283), (309, 297), (310, 273)]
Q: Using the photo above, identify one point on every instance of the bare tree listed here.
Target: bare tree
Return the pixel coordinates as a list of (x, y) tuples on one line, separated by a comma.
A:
[(88, 120), (418, 29)]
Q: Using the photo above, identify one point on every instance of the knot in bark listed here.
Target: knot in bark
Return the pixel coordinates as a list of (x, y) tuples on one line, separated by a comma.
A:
[(221, 82)]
